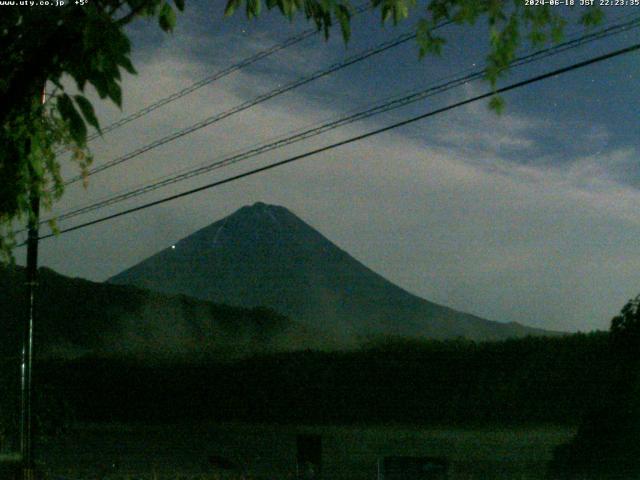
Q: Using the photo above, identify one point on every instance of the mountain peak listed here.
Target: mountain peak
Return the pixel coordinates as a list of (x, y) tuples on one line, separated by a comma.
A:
[(256, 207), (259, 207), (260, 210), (265, 255)]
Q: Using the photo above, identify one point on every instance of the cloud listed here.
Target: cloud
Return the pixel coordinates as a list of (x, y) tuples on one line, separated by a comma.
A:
[(503, 217)]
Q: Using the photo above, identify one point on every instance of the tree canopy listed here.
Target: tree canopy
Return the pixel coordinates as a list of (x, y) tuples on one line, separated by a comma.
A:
[(605, 445), (88, 44)]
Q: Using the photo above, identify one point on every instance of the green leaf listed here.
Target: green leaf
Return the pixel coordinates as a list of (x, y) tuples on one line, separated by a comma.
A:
[(386, 13), (179, 4), (87, 112), (125, 63), (254, 7), (231, 7), (557, 30), (167, 17), (99, 81), (400, 12), (428, 43), (497, 104), (592, 17), (344, 18), (53, 225), (77, 127), (37, 166), (115, 93), (537, 38)]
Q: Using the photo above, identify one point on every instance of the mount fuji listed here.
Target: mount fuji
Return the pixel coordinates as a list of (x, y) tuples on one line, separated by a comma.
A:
[(264, 255)]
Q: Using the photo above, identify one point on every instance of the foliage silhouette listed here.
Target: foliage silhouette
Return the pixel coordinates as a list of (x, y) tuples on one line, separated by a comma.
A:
[(524, 381), (606, 444)]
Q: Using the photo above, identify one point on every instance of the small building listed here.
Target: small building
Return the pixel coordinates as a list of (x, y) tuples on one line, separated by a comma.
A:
[(413, 468)]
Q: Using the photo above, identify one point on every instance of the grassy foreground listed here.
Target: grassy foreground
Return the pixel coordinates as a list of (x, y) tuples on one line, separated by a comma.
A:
[(268, 451)]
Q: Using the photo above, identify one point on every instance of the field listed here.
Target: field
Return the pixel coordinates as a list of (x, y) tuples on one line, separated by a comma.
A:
[(269, 452)]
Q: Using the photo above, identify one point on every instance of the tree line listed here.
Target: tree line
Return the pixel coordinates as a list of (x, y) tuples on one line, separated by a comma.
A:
[(529, 380)]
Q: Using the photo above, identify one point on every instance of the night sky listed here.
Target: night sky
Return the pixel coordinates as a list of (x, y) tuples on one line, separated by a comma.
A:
[(531, 216)]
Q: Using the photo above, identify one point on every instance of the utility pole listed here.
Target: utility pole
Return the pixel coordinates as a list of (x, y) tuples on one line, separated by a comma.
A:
[(26, 423)]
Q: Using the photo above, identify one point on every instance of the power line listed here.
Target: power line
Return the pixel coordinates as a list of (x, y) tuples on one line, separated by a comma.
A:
[(295, 158), (302, 134), (216, 76), (387, 105), (251, 103)]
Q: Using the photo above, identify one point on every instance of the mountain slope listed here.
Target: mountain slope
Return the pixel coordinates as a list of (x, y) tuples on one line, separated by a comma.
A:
[(76, 317), (265, 255)]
